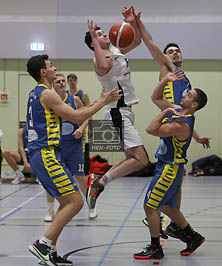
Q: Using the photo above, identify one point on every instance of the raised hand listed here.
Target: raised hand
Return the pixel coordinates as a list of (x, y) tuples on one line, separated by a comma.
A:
[(136, 15), (172, 111), (178, 75), (92, 29), (128, 14)]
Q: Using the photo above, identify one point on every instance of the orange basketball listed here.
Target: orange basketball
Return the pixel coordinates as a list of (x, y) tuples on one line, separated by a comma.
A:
[(121, 35)]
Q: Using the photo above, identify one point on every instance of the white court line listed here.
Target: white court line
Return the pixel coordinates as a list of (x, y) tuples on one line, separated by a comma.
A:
[(9, 213)]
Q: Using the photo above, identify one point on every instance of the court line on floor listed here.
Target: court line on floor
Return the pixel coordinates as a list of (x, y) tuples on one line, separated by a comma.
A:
[(14, 192), (122, 226), (18, 208)]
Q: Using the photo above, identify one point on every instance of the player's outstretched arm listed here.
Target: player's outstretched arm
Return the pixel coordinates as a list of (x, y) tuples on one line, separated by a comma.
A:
[(155, 51), (129, 17), (205, 141), (51, 100), (101, 64)]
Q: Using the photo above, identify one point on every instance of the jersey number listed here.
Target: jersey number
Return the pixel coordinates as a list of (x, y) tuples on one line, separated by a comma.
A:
[(31, 118), (81, 167)]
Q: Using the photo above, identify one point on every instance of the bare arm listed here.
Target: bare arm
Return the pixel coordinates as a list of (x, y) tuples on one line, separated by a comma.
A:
[(85, 98), (162, 59), (101, 64), (128, 14), (177, 128), (157, 96), (205, 141), (22, 152), (79, 131), (51, 100)]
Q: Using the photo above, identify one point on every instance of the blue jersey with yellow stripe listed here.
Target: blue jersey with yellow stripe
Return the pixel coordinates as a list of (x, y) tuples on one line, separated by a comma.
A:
[(171, 150), (68, 127), (174, 90), (43, 124), (78, 93)]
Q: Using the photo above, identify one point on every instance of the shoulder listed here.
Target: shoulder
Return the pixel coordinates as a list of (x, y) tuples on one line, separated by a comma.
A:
[(180, 124), (49, 97)]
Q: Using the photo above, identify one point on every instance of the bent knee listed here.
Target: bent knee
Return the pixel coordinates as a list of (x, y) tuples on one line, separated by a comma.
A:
[(143, 161), (6, 153), (77, 200)]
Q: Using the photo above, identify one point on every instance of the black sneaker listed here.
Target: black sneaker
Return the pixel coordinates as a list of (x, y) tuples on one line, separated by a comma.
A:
[(60, 260), (175, 231), (162, 233), (150, 252), (192, 244), (42, 252), (94, 188)]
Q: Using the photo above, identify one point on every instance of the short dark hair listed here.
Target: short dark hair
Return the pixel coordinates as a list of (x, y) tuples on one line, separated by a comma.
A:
[(169, 45), (59, 75), (201, 98), (88, 39), (35, 64), (72, 75)]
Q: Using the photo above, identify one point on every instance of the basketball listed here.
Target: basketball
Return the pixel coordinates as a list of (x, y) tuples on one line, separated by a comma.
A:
[(121, 35)]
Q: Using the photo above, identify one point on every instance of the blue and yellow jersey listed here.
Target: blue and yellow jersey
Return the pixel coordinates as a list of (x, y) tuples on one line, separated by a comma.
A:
[(44, 126), (68, 127), (172, 150), (78, 93), (174, 90)]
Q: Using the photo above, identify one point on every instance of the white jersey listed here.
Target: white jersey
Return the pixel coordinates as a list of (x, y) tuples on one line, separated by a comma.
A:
[(1, 135), (119, 76)]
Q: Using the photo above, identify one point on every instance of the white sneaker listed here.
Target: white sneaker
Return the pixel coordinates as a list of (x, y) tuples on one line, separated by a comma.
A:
[(19, 177), (92, 213), (49, 216)]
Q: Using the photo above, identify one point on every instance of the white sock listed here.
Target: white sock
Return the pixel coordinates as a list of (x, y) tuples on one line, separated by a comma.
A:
[(53, 249), (17, 171), (46, 241), (105, 179)]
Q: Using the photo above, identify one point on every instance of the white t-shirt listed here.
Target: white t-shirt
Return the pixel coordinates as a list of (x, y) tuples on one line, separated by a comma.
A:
[(1, 135), (119, 76)]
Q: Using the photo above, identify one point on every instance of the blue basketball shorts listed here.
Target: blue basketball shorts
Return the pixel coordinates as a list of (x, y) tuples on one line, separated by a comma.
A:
[(55, 177), (73, 157), (163, 188)]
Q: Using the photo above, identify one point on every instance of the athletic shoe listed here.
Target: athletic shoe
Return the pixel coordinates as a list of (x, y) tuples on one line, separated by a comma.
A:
[(162, 233), (42, 252), (92, 214), (193, 243), (49, 216), (175, 231), (19, 177), (150, 252), (94, 188), (60, 261)]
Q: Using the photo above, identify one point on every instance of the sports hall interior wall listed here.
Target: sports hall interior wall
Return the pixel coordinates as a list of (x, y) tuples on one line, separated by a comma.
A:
[(205, 74)]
